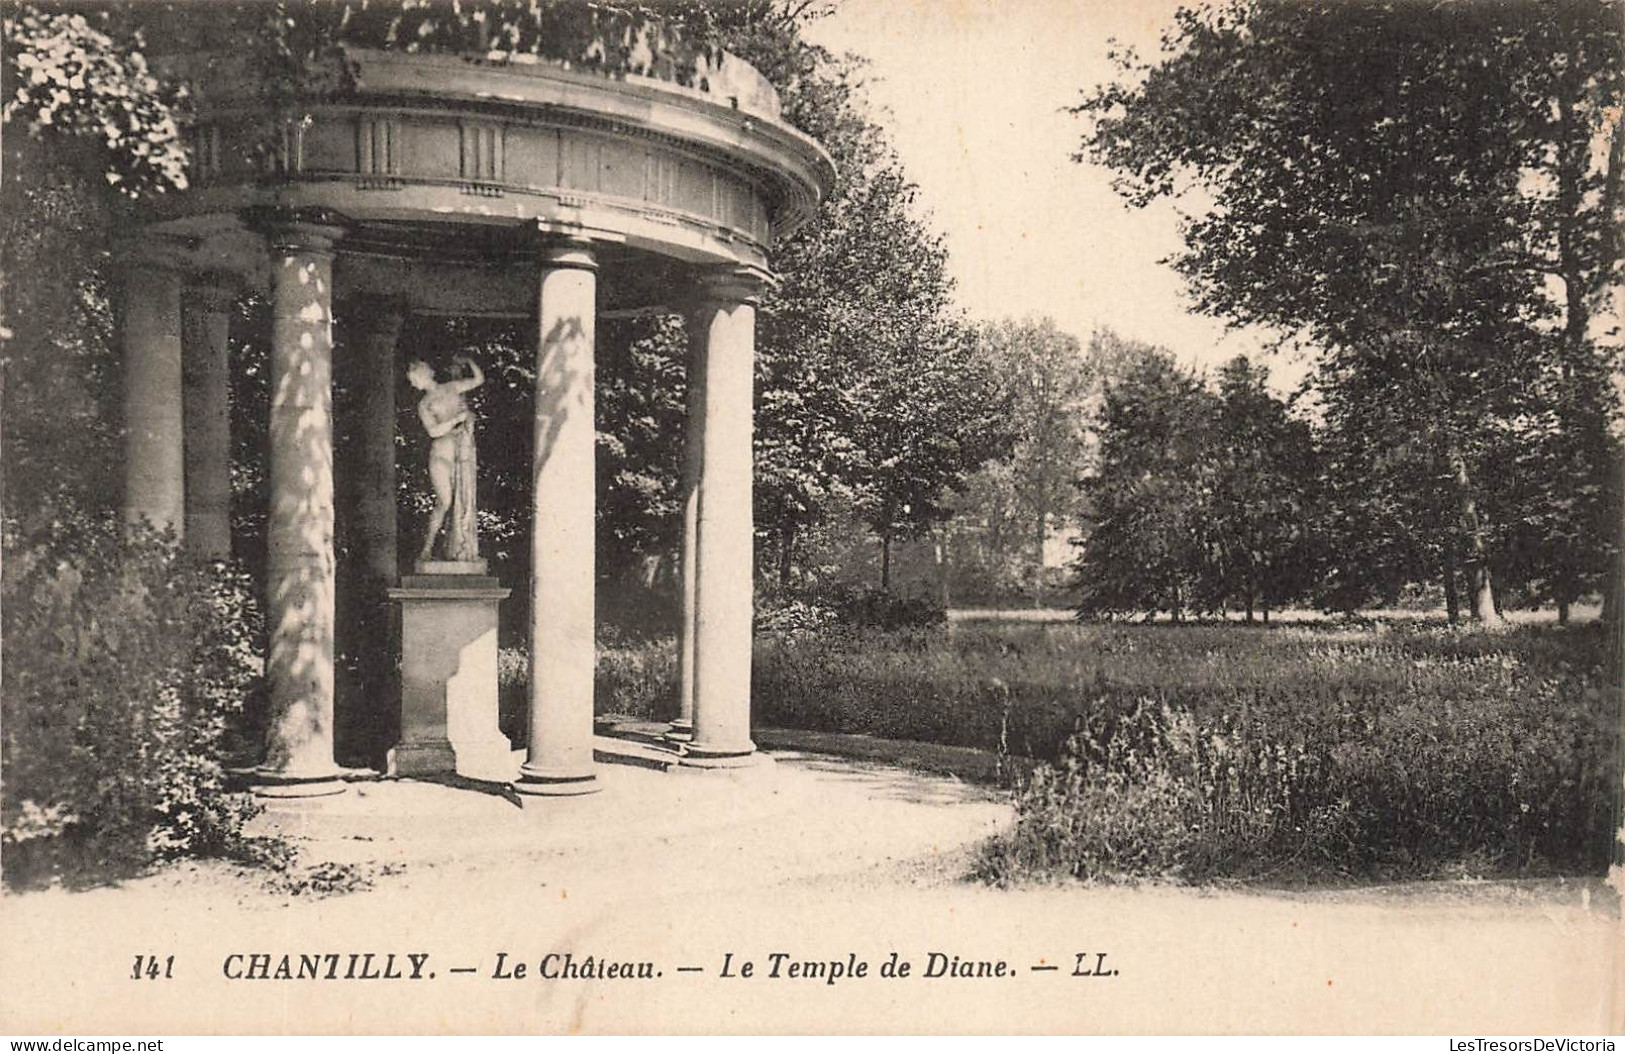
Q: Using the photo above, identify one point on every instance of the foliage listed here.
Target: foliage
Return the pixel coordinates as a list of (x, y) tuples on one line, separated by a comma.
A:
[(326, 878), (64, 79), (864, 607), (642, 391), (842, 606), (634, 678), (88, 127), (869, 386), (1144, 542), (59, 373), (1020, 502), (1378, 751), (1483, 759), (637, 677), (124, 660), (124, 663), (793, 617), (296, 49), (1262, 522), (1429, 196)]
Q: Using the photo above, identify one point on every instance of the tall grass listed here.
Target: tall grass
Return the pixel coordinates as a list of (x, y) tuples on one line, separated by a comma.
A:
[(1198, 751)]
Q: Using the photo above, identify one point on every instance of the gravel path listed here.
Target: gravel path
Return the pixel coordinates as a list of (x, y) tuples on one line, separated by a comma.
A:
[(825, 863)]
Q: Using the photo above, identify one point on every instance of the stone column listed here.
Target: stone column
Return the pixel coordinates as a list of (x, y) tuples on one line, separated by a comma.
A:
[(368, 632), (206, 321), (682, 729), (724, 350), (560, 758), (300, 557), (375, 328), (154, 458)]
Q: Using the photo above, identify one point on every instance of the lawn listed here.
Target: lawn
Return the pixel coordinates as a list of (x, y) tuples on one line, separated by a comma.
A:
[(1371, 750)]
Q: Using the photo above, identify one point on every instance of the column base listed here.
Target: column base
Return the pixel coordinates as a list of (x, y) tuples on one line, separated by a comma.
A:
[(267, 784), (712, 756), (532, 784), (759, 770)]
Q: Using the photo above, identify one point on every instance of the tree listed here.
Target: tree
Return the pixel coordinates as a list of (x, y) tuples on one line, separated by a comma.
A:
[(88, 127), (1265, 467), (1147, 527), (1403, 186), (869, 388), (1050, 385)]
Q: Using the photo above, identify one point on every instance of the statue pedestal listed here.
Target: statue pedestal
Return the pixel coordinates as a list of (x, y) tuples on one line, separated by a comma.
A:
[(451, 567), (449, 676)]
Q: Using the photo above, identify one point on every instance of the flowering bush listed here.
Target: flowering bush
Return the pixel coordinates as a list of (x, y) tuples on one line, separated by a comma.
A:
[(794, 617), (64, 75), (124, 661)]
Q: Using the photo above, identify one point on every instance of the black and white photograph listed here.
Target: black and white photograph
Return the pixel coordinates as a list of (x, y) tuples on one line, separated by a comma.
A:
[(812, 517)]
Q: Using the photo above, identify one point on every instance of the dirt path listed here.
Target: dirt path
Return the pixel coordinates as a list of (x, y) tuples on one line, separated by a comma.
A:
[(819, 861)]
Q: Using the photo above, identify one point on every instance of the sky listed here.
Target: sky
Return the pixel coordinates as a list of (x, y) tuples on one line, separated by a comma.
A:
[(973, 93)]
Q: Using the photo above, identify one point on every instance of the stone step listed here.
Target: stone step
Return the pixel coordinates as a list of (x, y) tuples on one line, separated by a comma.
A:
[(637, 731), (611, 750)]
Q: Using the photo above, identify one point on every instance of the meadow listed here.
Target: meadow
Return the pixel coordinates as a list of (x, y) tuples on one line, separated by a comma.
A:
[(1317, 750)]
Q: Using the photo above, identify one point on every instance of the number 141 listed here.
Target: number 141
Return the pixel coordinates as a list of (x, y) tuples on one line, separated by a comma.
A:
[(152, 968)]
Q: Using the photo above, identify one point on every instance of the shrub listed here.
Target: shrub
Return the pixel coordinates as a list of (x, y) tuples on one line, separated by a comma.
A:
[(792, 617), (1409, 753), (1369, 750), (804, 615), (1130, 812), (868, 607), (1161, 797), (637, 678), (124, 661), (634, 678)]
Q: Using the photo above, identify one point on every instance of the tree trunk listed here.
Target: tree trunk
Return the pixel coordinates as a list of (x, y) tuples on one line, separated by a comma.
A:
[(4, 334), (1266, 611), (1249, 608), (1452, 599), (787, 539), (1178, 611), (1038, 566), (1478, 568), (1562, 611), (1613, 593), (943, 570), (885, 562), (1484, 609)]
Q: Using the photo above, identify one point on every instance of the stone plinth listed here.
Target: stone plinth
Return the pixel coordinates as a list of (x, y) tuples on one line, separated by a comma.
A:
[(438, 568), (449, 678)]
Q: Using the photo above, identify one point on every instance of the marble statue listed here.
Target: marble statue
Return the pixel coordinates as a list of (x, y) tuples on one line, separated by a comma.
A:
[(450, 424)]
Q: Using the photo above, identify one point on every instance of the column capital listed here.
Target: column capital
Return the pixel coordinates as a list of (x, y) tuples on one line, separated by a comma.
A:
[(730, 285), (298, 230), (374, 308), (560, 251), (151, 249)]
